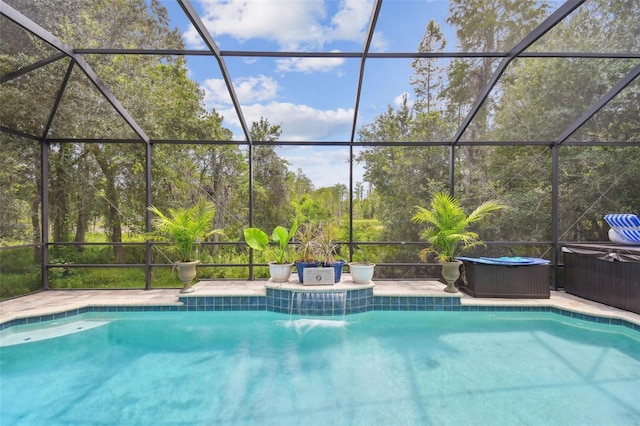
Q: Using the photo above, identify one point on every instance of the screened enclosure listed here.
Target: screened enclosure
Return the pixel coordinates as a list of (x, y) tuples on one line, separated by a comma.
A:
[(349, 112)]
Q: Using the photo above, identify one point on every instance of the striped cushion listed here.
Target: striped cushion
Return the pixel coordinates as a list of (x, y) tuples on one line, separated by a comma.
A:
[(623, 220), (630, 234), (625, 228)]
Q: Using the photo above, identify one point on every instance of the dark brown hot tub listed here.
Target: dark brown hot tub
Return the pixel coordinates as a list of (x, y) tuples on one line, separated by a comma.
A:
[(605, 273), (505, 280)]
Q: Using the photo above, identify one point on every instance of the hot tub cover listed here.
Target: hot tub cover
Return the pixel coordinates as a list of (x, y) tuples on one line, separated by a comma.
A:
[(608, 252), (509, 261)]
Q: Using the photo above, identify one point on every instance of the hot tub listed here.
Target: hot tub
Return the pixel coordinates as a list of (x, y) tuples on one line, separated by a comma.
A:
[(516, 278), (605, 273)]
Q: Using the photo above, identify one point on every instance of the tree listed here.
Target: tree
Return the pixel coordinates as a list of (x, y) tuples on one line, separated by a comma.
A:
[(482, 26), (428, 77), (158, 94), (541, 99), (272, 202), (404, 176)]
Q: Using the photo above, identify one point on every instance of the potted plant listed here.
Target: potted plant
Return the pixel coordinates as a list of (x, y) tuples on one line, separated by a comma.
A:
[(280, 266), (184, 228), (360, 269), (448, 234), (327, 250), (307, 247), (361, 272)]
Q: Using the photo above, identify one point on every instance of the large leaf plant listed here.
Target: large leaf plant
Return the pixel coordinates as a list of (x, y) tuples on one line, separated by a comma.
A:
[(257, 239), (447, 231)]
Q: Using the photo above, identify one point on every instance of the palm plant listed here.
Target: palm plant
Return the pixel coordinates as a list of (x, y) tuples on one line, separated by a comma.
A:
[(448, 233), (185, 227)]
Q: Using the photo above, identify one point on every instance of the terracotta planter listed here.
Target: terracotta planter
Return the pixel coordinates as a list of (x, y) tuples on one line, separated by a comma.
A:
[(361, 273), (186, 274)]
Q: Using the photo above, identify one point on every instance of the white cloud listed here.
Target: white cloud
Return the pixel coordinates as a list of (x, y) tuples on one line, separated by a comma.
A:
[(299, 122), (325, 166), (248, 89), (309, 65), (252, 89), (350, 22), (399, 100), (292, 24), (215, 93), (379, 42)]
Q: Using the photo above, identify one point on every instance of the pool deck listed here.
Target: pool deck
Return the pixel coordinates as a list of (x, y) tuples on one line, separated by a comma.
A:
[(56, 301)]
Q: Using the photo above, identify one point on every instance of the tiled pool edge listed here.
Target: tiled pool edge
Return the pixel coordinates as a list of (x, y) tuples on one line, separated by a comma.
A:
[(371, 303)]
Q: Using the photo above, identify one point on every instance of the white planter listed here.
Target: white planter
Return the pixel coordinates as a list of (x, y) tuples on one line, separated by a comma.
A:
[(280, 272), (361, 273)]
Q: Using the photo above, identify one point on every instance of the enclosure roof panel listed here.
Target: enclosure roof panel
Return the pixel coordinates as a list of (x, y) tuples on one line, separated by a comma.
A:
[(323, 71)]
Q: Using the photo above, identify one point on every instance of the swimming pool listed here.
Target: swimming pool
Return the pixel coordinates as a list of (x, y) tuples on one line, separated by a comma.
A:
[(172, 368)]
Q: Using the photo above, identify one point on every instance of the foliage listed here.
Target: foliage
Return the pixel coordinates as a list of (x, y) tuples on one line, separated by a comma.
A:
[(447, 229), (325, 237), (308, 208), (257, 239), (185, 227), (13, 284), (307, 244), (316, 242), (18, 273), (99, 188), (364, 255), (272, 178)]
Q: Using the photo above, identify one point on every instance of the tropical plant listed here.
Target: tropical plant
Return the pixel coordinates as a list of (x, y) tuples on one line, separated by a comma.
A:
[(325, 238), (448, 233), (185, 227), (307, 244), (257, 239)]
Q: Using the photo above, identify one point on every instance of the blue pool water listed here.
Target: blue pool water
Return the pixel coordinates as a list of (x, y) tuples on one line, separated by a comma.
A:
[(263, 368)]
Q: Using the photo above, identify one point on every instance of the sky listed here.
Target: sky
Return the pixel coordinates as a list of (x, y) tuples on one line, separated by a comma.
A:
[(312, 99)]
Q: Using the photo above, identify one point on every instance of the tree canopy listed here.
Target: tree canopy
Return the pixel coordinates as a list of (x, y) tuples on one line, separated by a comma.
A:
[(101, 173)]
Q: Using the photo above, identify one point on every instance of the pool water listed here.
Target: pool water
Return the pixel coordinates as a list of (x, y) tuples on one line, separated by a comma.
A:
[(263, 368)]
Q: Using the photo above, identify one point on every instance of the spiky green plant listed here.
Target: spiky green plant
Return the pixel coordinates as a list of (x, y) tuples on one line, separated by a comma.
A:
[(447, 232), (325, 237), (307, 244), (185, 227)]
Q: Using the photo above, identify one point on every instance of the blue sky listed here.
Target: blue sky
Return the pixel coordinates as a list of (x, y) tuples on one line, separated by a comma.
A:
[(312, 99)]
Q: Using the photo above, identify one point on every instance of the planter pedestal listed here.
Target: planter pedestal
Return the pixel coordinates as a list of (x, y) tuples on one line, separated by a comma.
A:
[(451, 273), (186, 274)]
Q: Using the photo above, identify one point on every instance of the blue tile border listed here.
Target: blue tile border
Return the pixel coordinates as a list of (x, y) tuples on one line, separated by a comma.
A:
[(356, 301), (319, 303), (223, 303)]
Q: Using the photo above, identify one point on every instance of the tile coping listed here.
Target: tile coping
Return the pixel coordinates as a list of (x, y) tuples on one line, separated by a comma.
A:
[(562, 303)]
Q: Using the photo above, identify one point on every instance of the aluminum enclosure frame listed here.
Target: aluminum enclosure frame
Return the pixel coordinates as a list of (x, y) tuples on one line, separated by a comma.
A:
[(518, 51)]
